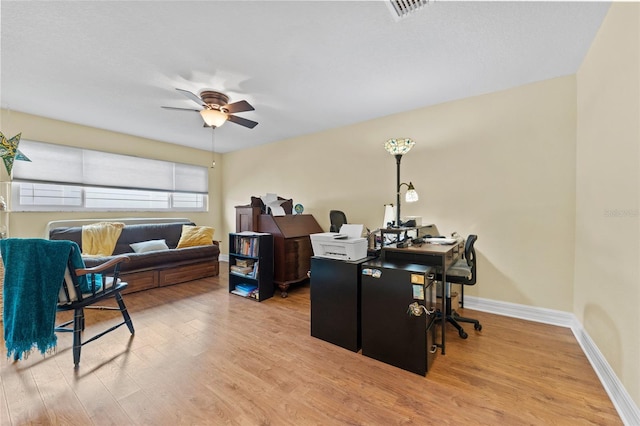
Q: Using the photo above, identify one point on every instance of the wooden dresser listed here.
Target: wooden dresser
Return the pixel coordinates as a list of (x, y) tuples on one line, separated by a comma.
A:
[(291, 243)]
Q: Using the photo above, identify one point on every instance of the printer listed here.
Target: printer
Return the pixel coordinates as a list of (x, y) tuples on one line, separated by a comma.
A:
[(348, 244)]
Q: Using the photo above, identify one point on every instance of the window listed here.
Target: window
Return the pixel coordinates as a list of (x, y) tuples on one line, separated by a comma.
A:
[(61, 178)]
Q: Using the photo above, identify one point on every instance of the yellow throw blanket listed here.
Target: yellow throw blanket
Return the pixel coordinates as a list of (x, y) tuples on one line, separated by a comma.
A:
[(99, 239)]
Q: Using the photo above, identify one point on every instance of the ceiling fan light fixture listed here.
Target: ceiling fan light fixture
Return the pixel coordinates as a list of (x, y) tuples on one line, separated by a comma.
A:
[(216, 108), (213, 117)]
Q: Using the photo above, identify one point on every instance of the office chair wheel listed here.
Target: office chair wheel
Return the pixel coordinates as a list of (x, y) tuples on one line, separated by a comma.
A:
[(477, 326), (463, 333)]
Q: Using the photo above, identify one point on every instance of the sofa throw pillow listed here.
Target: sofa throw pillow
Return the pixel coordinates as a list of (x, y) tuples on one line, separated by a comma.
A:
[(151, 245), (193, 236), (99, 239)]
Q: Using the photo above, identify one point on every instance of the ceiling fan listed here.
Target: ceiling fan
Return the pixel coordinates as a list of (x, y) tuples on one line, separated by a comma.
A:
[(217, 109)]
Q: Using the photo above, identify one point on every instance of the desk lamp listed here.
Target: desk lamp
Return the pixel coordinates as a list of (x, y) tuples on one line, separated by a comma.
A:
[(397, 148)]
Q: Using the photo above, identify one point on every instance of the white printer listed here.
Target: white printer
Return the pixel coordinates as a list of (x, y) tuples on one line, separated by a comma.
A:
[(348, 244)]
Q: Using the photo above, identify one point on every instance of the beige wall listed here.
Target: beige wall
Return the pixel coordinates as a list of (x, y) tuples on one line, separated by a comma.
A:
[(607, 272), (53, 131), (500, 165), (546, 174)]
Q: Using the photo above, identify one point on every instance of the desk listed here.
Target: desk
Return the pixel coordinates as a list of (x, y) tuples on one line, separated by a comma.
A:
[(441, 256)]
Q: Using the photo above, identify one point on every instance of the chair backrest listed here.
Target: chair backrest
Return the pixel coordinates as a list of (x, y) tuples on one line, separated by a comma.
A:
[(470, 256), (337, 218), (75, 288), (68, 290)]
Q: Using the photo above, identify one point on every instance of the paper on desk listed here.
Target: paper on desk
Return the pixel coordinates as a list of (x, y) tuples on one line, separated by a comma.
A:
[(271, 201), (351, 230), (276, 208), (269, 198), (447, 241)]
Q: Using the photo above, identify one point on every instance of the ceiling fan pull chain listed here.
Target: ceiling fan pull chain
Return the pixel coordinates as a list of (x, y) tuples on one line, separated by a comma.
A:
[(213, 147)]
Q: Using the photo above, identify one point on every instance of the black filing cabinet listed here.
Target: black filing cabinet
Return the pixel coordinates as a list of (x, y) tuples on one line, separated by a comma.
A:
[(335, 301), (391, 331)]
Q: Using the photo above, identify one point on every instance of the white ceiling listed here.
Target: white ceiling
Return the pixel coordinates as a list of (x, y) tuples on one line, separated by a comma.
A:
[(305, 66)]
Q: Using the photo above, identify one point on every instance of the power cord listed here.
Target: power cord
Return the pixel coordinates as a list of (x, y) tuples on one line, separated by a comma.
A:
[(416, 310)]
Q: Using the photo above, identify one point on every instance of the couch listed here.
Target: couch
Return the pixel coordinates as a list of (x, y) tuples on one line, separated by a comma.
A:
[(156, 268)]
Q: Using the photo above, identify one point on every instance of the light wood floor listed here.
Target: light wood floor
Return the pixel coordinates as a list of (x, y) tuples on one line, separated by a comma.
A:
[(201, 356)]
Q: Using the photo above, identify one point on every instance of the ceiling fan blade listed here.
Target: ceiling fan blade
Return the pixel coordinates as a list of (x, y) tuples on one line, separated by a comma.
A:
[(195, 98), (242, 121), (240, 106), (181, 109)]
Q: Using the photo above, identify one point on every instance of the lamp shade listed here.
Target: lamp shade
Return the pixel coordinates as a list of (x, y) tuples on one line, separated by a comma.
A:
[(398, 146), (412, 195), (213, 117)]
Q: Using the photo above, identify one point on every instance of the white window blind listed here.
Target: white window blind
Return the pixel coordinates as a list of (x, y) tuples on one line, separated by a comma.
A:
[(61, 178), (191, 179), (64, 164)]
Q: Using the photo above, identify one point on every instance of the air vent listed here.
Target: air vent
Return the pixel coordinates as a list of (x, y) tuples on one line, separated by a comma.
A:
[(403, 8)]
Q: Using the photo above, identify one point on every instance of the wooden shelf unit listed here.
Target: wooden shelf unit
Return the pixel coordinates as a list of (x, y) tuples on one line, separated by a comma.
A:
[(252, 251)]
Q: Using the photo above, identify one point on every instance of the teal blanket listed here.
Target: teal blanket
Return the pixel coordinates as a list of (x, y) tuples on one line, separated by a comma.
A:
[(34, 271)]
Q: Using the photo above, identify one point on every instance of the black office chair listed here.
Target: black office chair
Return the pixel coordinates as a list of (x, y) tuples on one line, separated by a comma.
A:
[(337, 218), (462, 272)]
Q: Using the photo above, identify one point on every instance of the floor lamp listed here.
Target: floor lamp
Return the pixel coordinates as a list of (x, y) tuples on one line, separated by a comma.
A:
[(397, 148)]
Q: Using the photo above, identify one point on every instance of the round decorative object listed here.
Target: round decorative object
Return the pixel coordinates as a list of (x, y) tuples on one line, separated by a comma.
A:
[(298, 208)]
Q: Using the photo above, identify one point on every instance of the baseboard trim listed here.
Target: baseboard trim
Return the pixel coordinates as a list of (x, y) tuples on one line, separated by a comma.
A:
[(531, 313), (626, 407), (628, 410)]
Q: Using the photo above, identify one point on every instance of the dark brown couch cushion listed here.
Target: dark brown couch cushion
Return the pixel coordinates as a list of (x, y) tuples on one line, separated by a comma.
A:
[(154, 259)]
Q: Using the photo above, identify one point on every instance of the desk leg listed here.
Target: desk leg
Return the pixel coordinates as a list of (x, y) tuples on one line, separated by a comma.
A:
[(444, 308)]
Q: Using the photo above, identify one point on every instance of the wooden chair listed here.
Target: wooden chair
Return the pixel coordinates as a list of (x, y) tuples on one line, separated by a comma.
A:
[(43, 277), (103, 283)]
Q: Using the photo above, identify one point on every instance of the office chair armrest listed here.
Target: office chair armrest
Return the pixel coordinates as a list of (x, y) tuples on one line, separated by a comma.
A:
[(106, 265)]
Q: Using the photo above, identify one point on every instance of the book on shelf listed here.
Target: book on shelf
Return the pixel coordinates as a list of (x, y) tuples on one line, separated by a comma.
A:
[(244, 262), (242, 293), (256, 265), (246, 246), (246, 290), (246, 287), (246, 270), (251, 270), (254, 294)]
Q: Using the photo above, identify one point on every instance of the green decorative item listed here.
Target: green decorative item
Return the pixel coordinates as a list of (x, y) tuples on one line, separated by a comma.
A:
[(299, 208), (9, 151)]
